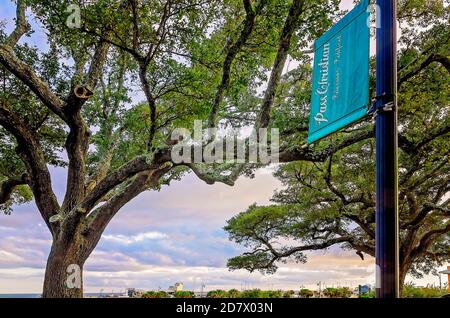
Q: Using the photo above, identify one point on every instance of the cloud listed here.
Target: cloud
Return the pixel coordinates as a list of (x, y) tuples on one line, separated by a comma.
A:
[(192, 203), (168, 236), (8, 257), (123, 239)]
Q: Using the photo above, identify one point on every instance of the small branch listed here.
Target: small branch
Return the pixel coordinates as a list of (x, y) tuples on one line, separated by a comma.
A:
[(232, 51), (22, 25), (29, 77), (290, 26), (105, 164), (7, 187), (136, 36), (151, 104), (428, 238), (445, 61), (426, 209), (429, 137), (318, 246), (277, 255), (332, 188), (363, 225), (160, 33), (122, 47)]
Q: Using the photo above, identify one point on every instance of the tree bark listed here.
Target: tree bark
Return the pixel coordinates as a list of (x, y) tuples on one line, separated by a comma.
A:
[(404, 267), (64, 271)]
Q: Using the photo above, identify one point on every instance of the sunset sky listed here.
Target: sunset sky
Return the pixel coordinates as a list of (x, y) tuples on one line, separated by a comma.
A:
[(168, 236)]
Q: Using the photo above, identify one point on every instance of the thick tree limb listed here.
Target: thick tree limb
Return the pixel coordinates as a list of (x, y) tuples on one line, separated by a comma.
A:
[(444, 60), (99, 218), (76, 145), (77, 141), (211, 176), (128, 170), (34, 159)]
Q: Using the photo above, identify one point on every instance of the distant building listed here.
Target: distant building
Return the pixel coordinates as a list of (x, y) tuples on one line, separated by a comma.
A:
[(447, 271), (176, 288), (134, 293)]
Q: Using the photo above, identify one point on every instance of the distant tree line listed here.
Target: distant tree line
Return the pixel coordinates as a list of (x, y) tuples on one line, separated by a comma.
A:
[(410, 291)]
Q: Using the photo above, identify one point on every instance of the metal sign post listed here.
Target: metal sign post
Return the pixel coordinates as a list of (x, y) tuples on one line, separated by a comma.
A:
[(386, 153), (339, 97)]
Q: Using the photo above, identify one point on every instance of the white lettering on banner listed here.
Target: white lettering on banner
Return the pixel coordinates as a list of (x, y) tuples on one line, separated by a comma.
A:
[(322, 89), (336, 61)]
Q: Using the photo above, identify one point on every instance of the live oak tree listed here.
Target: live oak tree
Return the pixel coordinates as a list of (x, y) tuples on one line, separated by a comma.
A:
[(102, 97), (332, 201)]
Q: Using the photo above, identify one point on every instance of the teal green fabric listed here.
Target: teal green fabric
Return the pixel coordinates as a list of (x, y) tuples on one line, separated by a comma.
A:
[(340, 88)]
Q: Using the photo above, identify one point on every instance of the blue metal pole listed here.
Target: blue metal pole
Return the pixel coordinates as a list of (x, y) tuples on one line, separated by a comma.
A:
[(386, 249)]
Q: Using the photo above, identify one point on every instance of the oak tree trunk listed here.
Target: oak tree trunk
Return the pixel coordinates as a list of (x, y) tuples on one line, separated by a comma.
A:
[(402, 276), (64, 271)]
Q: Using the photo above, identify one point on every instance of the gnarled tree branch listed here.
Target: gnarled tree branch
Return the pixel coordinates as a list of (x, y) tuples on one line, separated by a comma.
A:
[(34, 159), (77, 141)]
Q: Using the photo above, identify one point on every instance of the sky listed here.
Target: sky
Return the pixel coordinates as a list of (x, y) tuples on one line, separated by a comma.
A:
[(174, 235)]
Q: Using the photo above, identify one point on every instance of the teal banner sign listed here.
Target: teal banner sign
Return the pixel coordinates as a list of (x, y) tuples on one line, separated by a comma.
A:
[(340, 88)]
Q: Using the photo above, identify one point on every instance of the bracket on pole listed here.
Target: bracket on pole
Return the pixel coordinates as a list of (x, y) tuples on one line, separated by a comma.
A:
[(382, 103)]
